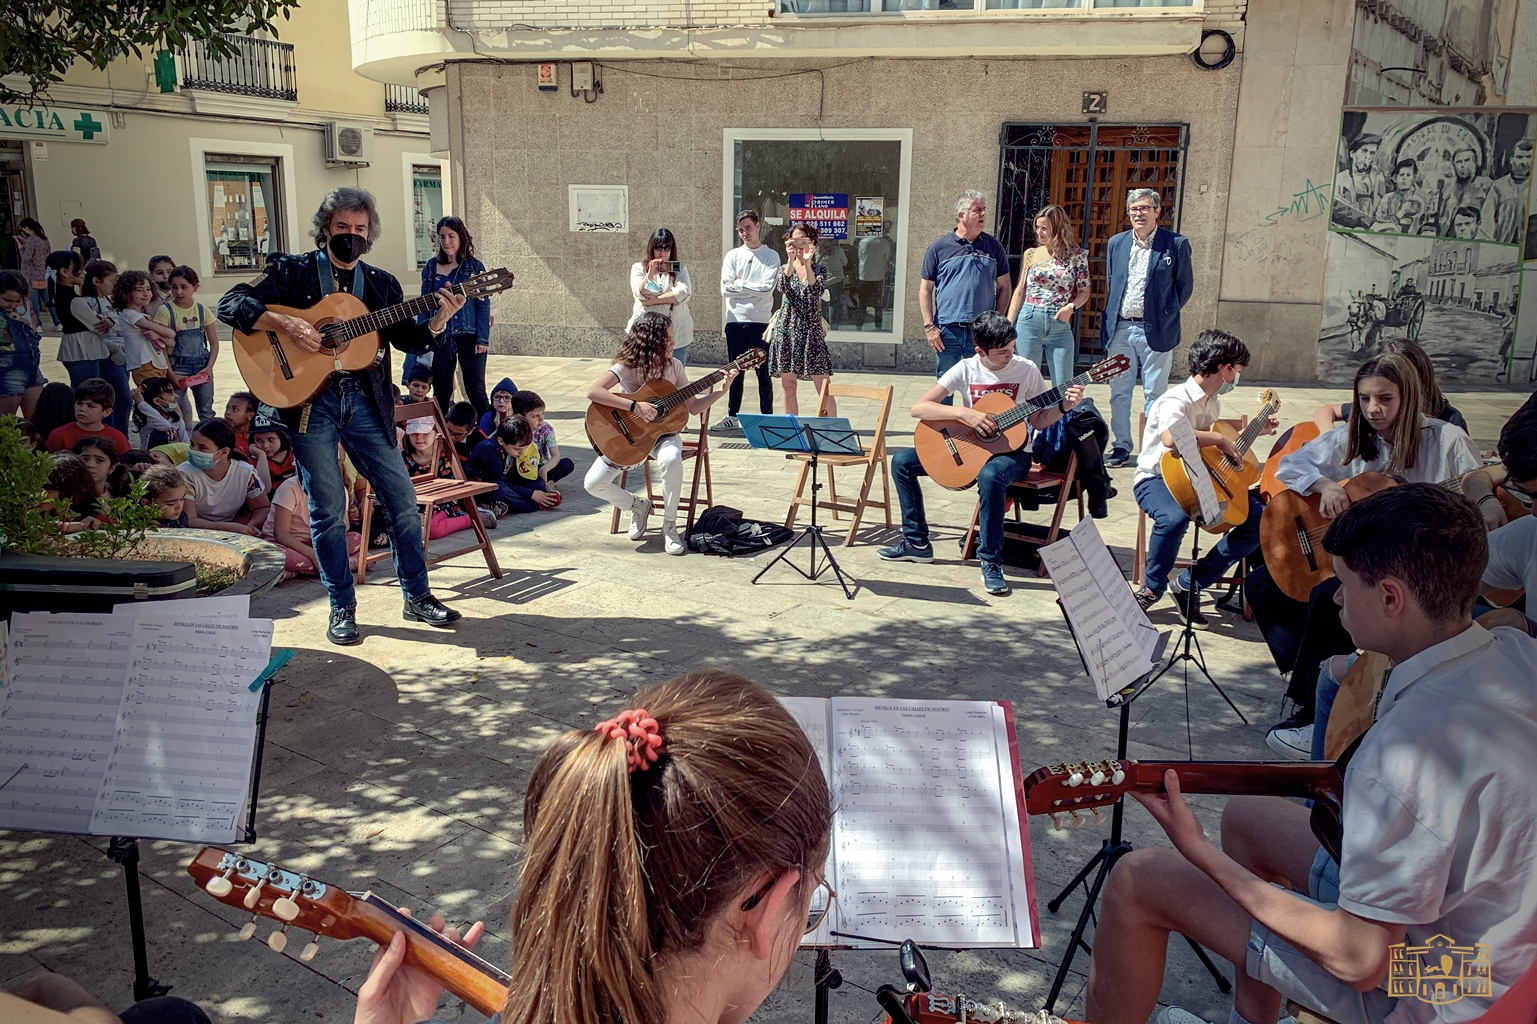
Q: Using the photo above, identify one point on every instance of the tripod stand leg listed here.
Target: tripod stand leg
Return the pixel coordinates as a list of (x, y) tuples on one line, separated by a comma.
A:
[(126, 853), (832, 563), (1078, 879), (1223, 985), (1110, 855)]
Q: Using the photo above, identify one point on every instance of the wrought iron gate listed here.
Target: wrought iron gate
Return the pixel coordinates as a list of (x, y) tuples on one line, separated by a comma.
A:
[(1086, 169)]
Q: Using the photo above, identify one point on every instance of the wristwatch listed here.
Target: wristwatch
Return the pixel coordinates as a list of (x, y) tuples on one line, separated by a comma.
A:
[(930, 327), (1061, 406)]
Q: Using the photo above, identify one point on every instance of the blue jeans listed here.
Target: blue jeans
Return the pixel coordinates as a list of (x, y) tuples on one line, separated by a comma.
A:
[(82, 370), (992, 490), (1043, 336), (1323, 703), (1130, 340), (40, 302), (1169, 525), (958, 346), (344, 413)]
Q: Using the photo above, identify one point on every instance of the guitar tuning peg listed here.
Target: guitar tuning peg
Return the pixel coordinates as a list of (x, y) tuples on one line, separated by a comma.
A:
[(249, 929), (1118, 778), (311, 949), (285, 908), (1099, 819), (1097, 779), (1075, 779), (278, 940), (1079, 820), (1056, 822), (221, 886), (254, 896)]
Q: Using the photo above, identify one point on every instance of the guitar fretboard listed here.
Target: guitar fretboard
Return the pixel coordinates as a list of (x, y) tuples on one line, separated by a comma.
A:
[(669, 402), (382, 318), (1044, 400), (426, 934), (1256, 427)]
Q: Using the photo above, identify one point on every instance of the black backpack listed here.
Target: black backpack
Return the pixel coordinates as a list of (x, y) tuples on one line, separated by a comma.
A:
[(721, 530)]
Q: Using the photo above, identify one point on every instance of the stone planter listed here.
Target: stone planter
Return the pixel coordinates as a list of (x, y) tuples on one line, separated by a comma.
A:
[(259, 563)]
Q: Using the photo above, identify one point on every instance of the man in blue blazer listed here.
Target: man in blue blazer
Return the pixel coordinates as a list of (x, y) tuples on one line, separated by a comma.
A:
[(1150, 282)]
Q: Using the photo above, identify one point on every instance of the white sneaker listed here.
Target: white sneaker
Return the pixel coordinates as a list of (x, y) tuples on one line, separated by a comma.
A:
[(640, 508), (1174, 1015), (1292, 744), (671, 542), (726, 424)]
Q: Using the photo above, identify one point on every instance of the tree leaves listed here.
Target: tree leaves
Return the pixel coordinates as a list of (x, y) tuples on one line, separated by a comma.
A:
[(41, 39)]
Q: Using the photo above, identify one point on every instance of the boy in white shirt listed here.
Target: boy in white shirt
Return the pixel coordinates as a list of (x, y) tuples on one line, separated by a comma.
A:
[(995, 367), (747, 278), (1216, 360)]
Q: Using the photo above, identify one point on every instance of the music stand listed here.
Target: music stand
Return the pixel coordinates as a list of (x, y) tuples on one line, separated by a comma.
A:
[(818, 435), (1113, 848)]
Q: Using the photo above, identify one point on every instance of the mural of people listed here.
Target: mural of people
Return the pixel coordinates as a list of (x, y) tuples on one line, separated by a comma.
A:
[(1359, 185), (1505, 207), (1466, 191), (1402, 210)]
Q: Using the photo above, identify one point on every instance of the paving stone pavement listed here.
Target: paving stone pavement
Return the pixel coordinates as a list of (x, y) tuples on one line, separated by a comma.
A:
[(399, 765)]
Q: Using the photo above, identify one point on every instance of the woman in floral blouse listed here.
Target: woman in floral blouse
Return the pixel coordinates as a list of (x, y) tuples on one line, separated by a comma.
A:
[(798, 347), (1053, 282)]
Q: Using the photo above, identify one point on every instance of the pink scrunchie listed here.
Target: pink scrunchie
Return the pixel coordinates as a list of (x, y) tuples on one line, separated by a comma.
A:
[(639, 732)]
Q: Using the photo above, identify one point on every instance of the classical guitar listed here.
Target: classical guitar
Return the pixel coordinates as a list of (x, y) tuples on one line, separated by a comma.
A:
[(953, 453), (1230, 477), (1291, 534), (307, 905), (625, 439), (283, 375), (1065, 791)]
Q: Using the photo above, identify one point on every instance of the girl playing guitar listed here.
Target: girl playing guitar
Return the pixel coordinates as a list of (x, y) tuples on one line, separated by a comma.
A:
[(674, 863)]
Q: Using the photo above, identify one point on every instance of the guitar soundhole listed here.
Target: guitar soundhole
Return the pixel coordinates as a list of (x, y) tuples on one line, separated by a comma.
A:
[(332, 338)]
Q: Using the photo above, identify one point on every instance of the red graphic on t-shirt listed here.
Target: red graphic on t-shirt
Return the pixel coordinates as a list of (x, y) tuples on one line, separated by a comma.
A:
[(976, 391)]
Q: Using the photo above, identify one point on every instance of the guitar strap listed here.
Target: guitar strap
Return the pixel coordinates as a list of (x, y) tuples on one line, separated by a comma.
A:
[(328, 287)]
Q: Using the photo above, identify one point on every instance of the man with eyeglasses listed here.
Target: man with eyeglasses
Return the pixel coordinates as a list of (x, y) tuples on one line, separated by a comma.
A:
[(1150, 281)]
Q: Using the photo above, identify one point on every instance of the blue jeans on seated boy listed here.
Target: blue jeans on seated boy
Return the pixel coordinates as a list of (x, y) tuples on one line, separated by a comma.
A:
[(565, 467), (992, 490), (343, 413), (1169, 525)]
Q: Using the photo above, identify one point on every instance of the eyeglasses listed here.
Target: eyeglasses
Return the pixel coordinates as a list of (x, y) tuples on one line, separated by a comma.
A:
[(1142, 209), (821, 903)]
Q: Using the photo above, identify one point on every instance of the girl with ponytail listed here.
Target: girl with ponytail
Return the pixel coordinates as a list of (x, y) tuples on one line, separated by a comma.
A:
[(675, 860)]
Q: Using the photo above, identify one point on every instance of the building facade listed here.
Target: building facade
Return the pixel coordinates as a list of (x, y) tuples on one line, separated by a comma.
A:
[(231, 164)]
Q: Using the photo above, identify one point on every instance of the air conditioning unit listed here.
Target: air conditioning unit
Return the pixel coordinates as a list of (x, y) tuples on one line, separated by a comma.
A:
[(348, 143)]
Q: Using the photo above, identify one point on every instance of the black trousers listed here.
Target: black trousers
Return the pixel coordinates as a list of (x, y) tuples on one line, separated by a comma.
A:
[(739, 338), (460, 348), (1300, 635)]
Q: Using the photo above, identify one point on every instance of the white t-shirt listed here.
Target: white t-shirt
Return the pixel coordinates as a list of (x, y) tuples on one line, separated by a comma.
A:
[(1184, 402), (1513, 558), (1446, 452), (222, 500), (630, 378), (1440, 809), (1020, 379), (140, 349)]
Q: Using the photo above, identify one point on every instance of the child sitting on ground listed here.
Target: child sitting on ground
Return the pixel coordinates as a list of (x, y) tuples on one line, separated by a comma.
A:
[(32, 439), (109, 479), (93, 407), (501, 406), (226, 492), (462, 429), (167, 487), (419, 383), (551, 467), (421, 449), (71, 493), (289, 527), (240, 413), (495, 461), (157, 417), (271, 439)]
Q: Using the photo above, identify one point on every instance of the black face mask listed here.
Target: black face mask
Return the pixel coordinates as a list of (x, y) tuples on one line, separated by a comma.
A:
[(346, 248)]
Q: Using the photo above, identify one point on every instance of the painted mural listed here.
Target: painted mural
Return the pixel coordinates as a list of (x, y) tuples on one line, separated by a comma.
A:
[(1431, 211)]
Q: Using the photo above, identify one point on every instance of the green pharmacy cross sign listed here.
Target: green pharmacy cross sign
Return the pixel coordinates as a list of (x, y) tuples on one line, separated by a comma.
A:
[(54, 124)]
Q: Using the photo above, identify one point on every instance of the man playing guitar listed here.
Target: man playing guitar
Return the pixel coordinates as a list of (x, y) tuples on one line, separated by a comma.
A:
[(355, 410), (994, 367), (1438, 811)]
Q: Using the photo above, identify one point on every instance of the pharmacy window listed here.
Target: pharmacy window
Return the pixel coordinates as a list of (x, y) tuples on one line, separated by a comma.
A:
[(243, 216), (426, 210), (852, 185)]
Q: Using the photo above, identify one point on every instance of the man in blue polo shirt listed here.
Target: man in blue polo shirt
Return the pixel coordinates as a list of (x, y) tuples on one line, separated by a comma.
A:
[(965, 273)]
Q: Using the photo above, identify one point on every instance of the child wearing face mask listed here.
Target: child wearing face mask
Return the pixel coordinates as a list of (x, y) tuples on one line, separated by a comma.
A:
[(156, 418), (1216, 360), (226, 491)]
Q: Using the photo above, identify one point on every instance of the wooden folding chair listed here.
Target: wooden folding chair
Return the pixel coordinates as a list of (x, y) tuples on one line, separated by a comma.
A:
[(1066, 484), (1233, 579), (873, 460), (431, 491), (698, 450)]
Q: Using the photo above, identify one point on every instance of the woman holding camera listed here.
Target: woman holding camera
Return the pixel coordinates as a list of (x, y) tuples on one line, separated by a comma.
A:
[(798, 338), (660, 284)]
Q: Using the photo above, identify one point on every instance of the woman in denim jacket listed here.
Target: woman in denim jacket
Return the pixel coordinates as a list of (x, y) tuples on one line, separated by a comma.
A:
[(467, 339)]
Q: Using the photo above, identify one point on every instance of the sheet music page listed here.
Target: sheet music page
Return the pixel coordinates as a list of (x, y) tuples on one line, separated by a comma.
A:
[(922, 847), (58, 717), (1200, 478), (182, 754), (810, 713), (1111, 646), (1107, 573)]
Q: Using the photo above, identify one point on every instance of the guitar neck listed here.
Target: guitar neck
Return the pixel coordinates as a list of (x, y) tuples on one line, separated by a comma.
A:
[(476, 981), (1044, 400), (1255, 429), (1303, 780), (704, 384), (389, 315)]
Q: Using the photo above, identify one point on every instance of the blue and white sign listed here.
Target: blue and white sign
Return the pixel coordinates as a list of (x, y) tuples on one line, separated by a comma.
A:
[(829, 211)]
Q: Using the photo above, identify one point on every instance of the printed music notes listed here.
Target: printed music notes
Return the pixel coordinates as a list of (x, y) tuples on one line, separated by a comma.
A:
[(139, 723), (926, 837), (1195, 468), (1113, 632)]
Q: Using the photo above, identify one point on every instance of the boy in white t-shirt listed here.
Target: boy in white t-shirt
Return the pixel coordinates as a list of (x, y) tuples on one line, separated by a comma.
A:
[(995, 367), (1216, 360)]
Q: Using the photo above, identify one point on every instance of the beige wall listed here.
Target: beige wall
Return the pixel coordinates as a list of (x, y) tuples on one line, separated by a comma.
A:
[(1293, 81), (516, 150)]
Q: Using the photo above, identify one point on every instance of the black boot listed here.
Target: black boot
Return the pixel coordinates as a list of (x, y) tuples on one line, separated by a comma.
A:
[(430, 610), (343, 630)]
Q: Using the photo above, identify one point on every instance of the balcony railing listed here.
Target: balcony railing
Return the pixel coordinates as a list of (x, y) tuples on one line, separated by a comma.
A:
[(260, 67), (402, 99)]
